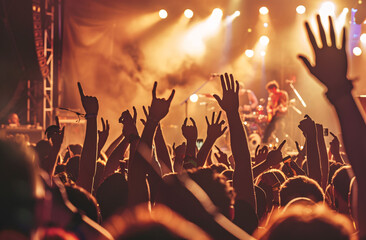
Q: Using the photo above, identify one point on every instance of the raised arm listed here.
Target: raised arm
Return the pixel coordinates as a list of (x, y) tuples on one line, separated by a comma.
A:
[(89, 153), (243, 177), (324, 163), (214, 131), (190, 134), (141, 162), (308, 128), (102, 136), (57, 138), (331, 70), (334, 149)]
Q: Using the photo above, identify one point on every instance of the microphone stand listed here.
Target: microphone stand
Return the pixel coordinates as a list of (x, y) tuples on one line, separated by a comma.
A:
[(195, 91), (297, 93)]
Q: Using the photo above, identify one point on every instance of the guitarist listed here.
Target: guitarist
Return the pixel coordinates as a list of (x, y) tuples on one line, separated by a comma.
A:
[(276, 110)]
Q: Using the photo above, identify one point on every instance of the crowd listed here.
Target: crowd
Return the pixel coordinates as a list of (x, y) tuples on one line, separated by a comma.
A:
[(141, 187)]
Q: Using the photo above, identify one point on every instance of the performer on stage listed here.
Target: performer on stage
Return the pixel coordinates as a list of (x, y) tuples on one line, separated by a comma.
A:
[(276, 110), (247, 100)]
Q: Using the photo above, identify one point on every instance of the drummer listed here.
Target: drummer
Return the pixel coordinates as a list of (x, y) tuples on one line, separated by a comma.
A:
[(247, 100)]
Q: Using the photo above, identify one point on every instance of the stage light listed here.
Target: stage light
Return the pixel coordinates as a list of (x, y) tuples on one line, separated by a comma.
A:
[(217, 13), (188, 13), (249, 30), (236, 13), (265, 25), (263, 53), (357, 51), (327, 9), (300, 9), (264, 40), (263, 10), (193, 98), (163, 14), (363, 38), (345, 10), (249, 53)]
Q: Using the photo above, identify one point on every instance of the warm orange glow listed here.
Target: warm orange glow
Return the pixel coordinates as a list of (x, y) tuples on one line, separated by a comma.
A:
[(249, 53), (188, 13), (263, 10), (301, 9), (357, 51)]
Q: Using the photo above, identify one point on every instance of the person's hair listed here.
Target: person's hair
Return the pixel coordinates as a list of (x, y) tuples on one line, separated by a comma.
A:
[(313, 222), (300, 186), (272, 84), (260, 196), (218, 167), (228, 173), (84, 201), (215, 186), (333, 167), (112, 195), (160, 223), (271, 190), (18, 183), (341, 181)]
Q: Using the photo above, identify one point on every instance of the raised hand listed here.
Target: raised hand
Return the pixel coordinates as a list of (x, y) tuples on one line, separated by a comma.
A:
[(129, 123), (307, 126), (334, 148), (190, 131), (260, 154), (330, 62), (221, 157), (230, 98), (58, 137), (143, 121), (214, 130), (159, 106), (274, 157), (90, 104), (103, 134)]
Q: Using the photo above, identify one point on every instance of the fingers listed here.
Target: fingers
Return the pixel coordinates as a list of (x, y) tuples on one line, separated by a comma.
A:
[(103, 124), (281, 145), (311, 37), (171, 96), (307, 117), (216, 156), (237, 87), (154, 90), (145, 112), (332, 33), (193, 122), (57, 121), (213, 118), (174, 146), (218, 117), (208, 123), (297, 146), (223, 130), (333, 134), (143, 121), (185, 122), (306, 62), (218, 149), (218, 99), (231, 82), (323, 38), (107, 124), (256, 150), (223, 85), (344, 39), (81, 92), (265, 149), (134, 114)]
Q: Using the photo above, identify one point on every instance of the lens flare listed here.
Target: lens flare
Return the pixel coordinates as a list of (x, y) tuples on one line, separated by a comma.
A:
[(263, 10), (188, 13), (264, 40), (249, 53), (301, 9), (163, 14)]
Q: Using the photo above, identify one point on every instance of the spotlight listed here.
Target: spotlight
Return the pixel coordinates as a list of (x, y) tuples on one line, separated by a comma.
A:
[(263, 10), (249, 53), (265, 25), (236, 13), (188, 13), (163, 14), (363, 38), (357, 51), (249, 30), (217, 13), (193, 98), (327, 9), (300, 9), (345, 10), (264, 40), (263, 53)]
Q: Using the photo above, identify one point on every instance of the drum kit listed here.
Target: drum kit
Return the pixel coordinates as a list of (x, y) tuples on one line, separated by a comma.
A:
[(255, 123)]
